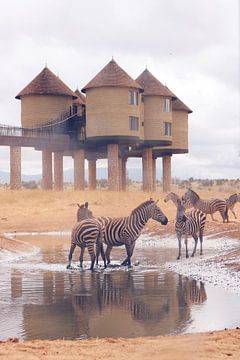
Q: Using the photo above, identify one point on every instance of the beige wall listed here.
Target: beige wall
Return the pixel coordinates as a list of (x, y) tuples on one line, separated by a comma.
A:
[(154, 118), (37, 110), (108, 112)]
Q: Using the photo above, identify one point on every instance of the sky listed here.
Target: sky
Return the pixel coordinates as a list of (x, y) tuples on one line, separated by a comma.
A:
[(191, 46)]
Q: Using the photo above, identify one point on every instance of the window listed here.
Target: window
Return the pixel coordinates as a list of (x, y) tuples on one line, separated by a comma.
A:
[(167, 105), (133, 97), (133, 123), (168, 128)]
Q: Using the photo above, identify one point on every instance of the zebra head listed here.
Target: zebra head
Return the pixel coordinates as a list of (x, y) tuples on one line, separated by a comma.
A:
[(190, 196), (156, 213), (180, 216), (83, 212)]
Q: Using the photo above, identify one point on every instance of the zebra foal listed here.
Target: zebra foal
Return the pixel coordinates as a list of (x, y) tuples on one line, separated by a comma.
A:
[(189, 224), (206, 206), (87, 234), (231, 202)]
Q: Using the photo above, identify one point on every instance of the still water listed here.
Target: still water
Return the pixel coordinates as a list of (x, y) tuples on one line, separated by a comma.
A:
[(41, 299)]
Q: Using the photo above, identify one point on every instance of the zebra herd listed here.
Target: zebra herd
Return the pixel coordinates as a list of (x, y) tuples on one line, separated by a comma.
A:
[(92, 233)]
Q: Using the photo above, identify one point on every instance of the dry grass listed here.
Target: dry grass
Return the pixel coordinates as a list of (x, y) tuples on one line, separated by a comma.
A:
[(56, 210)]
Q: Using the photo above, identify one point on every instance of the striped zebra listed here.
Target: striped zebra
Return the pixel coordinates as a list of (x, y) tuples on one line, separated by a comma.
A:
[(87, 234), (189, 224), (174, 198), (206, 206), (126, 230), (231, 202), (83, 212)]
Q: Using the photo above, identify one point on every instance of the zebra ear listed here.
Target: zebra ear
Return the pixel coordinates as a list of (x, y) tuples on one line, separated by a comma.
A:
[(78, 205), (156, 201), (86, 204)]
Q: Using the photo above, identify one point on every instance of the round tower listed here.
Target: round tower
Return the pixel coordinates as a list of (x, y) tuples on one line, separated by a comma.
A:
[(44, 100), (157, 110), (112, 106)]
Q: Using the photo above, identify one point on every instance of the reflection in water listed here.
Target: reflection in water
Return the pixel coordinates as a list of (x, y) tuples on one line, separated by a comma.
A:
[(38, 303)]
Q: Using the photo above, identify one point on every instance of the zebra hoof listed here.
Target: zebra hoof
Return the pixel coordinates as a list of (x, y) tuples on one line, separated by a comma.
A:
[(187, 256), (68, 267), (192, 255), (178, 258)]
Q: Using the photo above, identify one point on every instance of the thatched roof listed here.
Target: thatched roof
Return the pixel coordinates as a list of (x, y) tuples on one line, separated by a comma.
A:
[(46, 83), (81, 99), (153, 86), (112, 75), (178, 105)]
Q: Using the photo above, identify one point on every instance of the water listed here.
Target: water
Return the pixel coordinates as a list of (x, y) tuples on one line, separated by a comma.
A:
[(40, 299)]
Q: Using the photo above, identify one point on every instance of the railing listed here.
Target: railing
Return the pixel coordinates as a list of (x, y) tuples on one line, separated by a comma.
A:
[(62, 125)]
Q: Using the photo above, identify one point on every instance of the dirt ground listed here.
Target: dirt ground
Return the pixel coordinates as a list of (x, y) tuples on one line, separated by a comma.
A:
[(36, 210)]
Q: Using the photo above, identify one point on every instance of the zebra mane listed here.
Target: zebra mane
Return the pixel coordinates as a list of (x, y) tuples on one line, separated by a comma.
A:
[(194, 193), (144, 204), (233, 196)]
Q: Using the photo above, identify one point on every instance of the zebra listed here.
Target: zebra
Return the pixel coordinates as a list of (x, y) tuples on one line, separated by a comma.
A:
[(126, 230), (206, 206), (87, 233), (174, 197), (189, 224), (83, 212), (231, 201)]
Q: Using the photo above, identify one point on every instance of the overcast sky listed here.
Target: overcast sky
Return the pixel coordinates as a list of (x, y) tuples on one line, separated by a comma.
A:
[(191, 46)]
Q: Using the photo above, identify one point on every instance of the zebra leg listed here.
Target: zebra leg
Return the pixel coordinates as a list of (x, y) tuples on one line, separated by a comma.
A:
[(125, 262), (201, 241), (233, 212), (92, 255), (107, 254), (195, 245), (70, 255), (179, 236), (103, 255), (129, 250), (223, 215), (81, 256), (186, 246)]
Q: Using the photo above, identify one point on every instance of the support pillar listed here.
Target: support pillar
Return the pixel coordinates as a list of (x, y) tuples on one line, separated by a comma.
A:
[(113, 167), (79, 176), (147, 163), (154, 164), (166, 167), (124, 174), (92, 171), (15, 167), (58, 170), (46, 169)]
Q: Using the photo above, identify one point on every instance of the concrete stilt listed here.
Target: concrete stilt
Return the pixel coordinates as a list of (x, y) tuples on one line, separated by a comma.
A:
[(147, 163), (92, 170), (124, 174), (113, 167), (15, 167), (58, 170), (79, 180), (46, 169), (154, 164), (166, 167)]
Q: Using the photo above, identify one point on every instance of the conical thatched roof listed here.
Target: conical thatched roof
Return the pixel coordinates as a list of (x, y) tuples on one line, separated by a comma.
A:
[(46, 83), (178, 105), (112, 75), (153, 86), (81, 99)]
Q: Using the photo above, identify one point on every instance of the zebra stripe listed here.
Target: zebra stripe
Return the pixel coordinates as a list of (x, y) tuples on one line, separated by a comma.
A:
[(231, 202), (87, 234), (126, 230), (206, 206), (193, 224)]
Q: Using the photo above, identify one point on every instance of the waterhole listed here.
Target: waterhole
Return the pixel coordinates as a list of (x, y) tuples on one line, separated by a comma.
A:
[(41, 299)]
